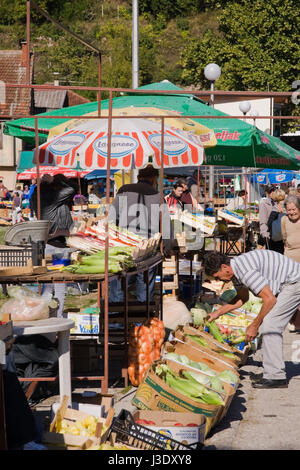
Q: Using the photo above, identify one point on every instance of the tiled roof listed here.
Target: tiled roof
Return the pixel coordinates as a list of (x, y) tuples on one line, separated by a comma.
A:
[(49, 99), (13, 70), (74, 99)]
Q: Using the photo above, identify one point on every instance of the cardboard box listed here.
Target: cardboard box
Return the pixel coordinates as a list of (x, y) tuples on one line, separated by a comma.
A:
[(227, 396), (67, 440), (85, 323), (212, 348), (154, 394), (165, 424)]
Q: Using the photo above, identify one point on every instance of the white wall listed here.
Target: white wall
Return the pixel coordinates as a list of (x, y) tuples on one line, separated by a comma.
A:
[(9, 157), (260, 105)]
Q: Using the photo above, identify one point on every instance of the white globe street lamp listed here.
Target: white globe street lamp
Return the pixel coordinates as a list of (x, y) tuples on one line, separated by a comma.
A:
[(212, 72), (244, 106)]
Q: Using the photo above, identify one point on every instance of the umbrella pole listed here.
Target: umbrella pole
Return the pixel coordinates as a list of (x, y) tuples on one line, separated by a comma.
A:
[(161, 210), (198, 184), (37, 159), (205, 176), (105, 382), (162, 180)]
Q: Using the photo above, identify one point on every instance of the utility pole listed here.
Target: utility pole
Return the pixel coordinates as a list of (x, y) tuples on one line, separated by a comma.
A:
[(135, 58), (135, 44)]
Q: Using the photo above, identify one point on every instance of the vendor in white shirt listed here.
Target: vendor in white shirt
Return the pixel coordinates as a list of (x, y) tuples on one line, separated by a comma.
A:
[(239, 202)]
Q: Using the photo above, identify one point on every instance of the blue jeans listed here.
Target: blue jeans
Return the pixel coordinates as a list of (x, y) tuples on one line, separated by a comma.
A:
[(116, 294)]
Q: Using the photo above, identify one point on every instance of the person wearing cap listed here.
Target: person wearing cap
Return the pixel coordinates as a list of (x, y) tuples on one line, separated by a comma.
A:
[(136, 208)]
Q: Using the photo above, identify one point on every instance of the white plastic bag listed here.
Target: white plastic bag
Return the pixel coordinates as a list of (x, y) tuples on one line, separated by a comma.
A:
[(26, 308), (175, 313)]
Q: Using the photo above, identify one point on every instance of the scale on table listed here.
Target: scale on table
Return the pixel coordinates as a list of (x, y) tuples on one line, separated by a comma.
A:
[(32, 234)]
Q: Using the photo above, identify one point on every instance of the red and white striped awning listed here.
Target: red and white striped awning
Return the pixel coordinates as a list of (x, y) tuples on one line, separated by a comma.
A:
[(133, 142), (50, 170)]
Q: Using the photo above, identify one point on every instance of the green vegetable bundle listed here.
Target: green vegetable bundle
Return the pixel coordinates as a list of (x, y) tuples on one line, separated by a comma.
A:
[(119, 258), (188, 386), (226, 375)]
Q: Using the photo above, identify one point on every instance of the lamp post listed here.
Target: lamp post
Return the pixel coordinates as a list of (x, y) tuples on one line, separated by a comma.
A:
[(254, 113), (245, 107), (212, 72)]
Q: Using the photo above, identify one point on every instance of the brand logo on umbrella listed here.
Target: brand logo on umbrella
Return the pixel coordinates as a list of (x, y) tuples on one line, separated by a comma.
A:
[(63, 145), (121, 145), (280, 177), (173, 145), (261, 178)]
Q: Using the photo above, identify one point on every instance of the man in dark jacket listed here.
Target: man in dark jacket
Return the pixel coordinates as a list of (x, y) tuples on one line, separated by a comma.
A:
[(56, 202), (137, 207)]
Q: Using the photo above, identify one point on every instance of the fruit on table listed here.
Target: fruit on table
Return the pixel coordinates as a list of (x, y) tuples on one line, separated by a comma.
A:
[(85, 427)]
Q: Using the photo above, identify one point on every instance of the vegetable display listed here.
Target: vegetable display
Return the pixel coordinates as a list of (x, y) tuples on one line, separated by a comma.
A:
[(188, 386), (119, 259)]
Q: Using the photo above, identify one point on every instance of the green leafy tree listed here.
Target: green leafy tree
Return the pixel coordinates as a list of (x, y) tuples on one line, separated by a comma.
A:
[(257, 47)]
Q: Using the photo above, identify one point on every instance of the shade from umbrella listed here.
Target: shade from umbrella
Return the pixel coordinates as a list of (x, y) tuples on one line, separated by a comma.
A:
[(134, 144), (206, 136)]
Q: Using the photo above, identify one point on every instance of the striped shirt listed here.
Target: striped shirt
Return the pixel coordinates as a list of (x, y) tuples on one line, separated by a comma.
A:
[(260, 268)]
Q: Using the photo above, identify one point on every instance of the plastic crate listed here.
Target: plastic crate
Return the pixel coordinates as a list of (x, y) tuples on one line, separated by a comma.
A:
[(128, 432), (10, 257)]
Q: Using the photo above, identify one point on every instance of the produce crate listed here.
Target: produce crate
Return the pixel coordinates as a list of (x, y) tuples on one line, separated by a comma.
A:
[(15, 256), (128, 432)]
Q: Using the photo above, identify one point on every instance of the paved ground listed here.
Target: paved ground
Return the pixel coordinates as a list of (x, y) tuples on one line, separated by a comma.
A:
[(256, 419)]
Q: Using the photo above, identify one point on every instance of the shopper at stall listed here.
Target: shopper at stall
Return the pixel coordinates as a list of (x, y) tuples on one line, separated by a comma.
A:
[(173, 199), (26, 192), (276, 280), (137, 208), (193, 185), (16, 208), (290, 228), (56, 197), (189, 202), (3, 190), (239, 202), (266, 206), (31, 191)]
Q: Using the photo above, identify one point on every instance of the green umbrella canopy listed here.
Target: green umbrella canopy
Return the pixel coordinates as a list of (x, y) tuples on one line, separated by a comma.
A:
[(238, 143)]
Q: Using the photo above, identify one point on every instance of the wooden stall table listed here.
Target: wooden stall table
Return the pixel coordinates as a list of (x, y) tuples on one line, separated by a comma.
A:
[(62, 327)]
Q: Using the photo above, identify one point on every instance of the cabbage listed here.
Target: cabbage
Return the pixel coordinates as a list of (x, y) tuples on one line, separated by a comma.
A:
[(198, 315), (228, 295)]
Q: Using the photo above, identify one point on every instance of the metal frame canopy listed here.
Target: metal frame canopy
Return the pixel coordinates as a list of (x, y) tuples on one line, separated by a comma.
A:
[(238, 143)]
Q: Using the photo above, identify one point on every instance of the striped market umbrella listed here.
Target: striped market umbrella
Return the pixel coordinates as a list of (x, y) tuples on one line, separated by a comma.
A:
[(134, 144)]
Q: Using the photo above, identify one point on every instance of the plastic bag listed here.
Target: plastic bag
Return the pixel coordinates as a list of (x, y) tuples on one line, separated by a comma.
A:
[(175, 313), (21, 291), (26, 308)]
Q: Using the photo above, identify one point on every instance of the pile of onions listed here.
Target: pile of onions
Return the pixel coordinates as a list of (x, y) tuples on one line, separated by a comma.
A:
[(145, 342)]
